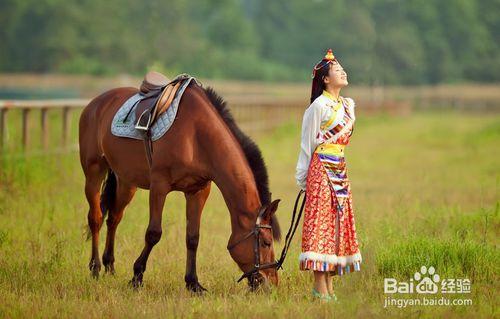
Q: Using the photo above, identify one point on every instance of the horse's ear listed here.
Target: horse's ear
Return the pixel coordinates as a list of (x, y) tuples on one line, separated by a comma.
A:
[(271, 209)]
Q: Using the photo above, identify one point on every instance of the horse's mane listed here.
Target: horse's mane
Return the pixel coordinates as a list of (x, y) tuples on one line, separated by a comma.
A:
[(251, 151)]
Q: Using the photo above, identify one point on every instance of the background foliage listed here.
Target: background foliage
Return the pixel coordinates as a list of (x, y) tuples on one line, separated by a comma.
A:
[(379, 42)]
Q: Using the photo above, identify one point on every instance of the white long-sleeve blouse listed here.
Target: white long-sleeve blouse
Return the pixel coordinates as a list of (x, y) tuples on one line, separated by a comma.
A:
[(316, 115)]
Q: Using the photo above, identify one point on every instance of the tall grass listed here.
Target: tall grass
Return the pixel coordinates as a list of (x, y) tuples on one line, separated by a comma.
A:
[(425, 191)]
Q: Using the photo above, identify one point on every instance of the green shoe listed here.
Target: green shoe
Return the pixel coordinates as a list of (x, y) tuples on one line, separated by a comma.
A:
[(325, 297), (334, 298)]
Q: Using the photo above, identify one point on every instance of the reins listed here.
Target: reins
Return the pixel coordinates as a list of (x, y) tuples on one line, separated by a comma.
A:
[(293, 227)]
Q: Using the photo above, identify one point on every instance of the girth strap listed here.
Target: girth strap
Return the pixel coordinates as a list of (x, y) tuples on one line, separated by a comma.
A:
[(148, 147)]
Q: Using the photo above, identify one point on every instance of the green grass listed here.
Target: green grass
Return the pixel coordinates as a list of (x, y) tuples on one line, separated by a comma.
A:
[(425, 191)]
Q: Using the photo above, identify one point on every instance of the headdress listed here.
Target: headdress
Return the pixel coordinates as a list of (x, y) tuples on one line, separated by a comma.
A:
[(329, 58)]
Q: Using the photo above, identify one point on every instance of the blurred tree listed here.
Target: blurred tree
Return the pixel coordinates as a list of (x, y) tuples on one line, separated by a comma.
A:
[(378, 41)]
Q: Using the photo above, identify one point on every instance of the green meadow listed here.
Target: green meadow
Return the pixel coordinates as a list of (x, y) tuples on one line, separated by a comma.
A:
[(425, 192)]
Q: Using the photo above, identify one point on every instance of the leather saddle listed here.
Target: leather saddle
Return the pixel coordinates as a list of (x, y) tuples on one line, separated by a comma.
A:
[(158, 92)]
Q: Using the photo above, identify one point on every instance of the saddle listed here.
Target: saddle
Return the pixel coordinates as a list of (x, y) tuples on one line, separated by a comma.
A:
[(158, 93)]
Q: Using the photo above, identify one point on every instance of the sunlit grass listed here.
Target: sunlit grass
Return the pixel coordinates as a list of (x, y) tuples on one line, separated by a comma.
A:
[(425, 191)]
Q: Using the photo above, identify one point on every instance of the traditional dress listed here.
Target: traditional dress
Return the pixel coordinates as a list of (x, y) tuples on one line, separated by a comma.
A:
[(329, 241)]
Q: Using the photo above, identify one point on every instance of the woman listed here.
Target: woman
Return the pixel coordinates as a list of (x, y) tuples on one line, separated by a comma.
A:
[(329, 243)]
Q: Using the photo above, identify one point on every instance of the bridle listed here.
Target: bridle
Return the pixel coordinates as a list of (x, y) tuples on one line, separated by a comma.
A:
[(253, 275)]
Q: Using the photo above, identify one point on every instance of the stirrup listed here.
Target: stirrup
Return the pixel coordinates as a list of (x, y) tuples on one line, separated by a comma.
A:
[(138, 126)]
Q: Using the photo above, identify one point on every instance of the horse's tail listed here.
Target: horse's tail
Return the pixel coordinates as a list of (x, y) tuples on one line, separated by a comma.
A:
[(108, 193), (108, 196)]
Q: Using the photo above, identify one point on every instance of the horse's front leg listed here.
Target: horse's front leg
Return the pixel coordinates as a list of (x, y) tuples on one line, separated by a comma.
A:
[(157, 194), (194, 207)]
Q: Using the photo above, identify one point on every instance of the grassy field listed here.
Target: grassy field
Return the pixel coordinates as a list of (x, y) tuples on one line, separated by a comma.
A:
[(425, 191)]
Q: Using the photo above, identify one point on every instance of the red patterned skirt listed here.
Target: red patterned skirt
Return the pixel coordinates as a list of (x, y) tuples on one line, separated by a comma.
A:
[(329, 240)]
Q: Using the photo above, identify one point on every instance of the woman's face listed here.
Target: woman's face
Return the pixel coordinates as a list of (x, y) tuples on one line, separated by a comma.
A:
[(337, 77)]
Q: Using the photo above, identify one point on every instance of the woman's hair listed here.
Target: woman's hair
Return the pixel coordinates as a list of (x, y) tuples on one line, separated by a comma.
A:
[(318, 85)]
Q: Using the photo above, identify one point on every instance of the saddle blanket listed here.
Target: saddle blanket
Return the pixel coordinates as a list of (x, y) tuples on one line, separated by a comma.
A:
[(122, 128)]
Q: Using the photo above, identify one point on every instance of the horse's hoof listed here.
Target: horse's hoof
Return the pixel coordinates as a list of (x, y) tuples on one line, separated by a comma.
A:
[(109, 269), (136, 282), (94, 269), (196, 288)]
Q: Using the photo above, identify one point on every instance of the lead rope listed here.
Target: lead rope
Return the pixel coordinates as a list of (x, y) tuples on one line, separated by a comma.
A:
[(293, 227)]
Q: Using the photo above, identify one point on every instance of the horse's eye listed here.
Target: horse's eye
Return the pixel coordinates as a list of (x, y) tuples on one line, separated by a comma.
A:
[(266, 244)]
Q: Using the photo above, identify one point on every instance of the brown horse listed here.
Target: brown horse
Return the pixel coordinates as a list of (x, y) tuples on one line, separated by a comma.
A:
[(203, 145)]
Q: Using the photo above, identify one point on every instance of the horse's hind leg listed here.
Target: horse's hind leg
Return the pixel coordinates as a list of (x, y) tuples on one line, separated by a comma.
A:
[(94, 175), (124, 194), (194, 207)]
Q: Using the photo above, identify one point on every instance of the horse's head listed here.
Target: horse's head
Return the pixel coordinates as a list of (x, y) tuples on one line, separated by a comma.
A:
[(254, 251)]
